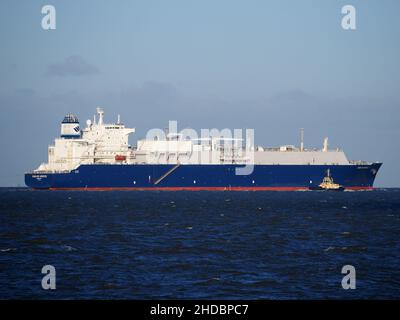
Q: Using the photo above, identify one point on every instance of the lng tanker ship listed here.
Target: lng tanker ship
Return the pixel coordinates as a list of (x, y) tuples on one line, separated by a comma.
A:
[(99, 157)]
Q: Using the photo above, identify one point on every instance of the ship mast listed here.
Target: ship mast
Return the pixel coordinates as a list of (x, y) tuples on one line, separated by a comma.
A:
[(302, 139)]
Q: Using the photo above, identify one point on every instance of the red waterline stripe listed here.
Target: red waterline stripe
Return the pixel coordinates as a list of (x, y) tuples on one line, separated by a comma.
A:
[(359, 188), (201, 188)]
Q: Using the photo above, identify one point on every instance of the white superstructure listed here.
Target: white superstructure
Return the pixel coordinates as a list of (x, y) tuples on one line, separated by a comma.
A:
[(102, 143), (97, 143)]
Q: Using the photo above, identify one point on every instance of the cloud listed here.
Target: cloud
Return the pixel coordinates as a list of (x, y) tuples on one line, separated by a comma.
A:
[(72, 66), (25, 92)]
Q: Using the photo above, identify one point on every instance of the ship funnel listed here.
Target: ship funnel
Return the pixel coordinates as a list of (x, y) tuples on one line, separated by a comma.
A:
[(70, 127), (325, 147)]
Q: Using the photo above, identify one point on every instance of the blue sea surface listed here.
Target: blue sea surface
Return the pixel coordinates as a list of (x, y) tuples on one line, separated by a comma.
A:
[(199, 245)]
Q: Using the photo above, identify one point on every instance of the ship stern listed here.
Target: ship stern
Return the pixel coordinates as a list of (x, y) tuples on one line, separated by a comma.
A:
[(36, 180)]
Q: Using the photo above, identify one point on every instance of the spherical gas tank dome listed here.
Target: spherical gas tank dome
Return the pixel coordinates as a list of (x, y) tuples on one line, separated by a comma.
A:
[(70, 118)]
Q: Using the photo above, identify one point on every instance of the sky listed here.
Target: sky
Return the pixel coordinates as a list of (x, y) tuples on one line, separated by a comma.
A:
[(274, 66)]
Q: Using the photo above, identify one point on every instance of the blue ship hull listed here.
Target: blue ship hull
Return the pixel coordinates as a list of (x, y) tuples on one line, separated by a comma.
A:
[(203, 177)]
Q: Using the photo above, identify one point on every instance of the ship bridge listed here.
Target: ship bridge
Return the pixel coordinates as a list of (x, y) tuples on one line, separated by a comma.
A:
[(99, 142)]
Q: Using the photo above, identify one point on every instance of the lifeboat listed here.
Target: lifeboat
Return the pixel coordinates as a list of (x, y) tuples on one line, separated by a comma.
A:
[(120, 157)]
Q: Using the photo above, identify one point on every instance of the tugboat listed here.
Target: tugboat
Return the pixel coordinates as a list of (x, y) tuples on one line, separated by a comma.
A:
[(328, 184)]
